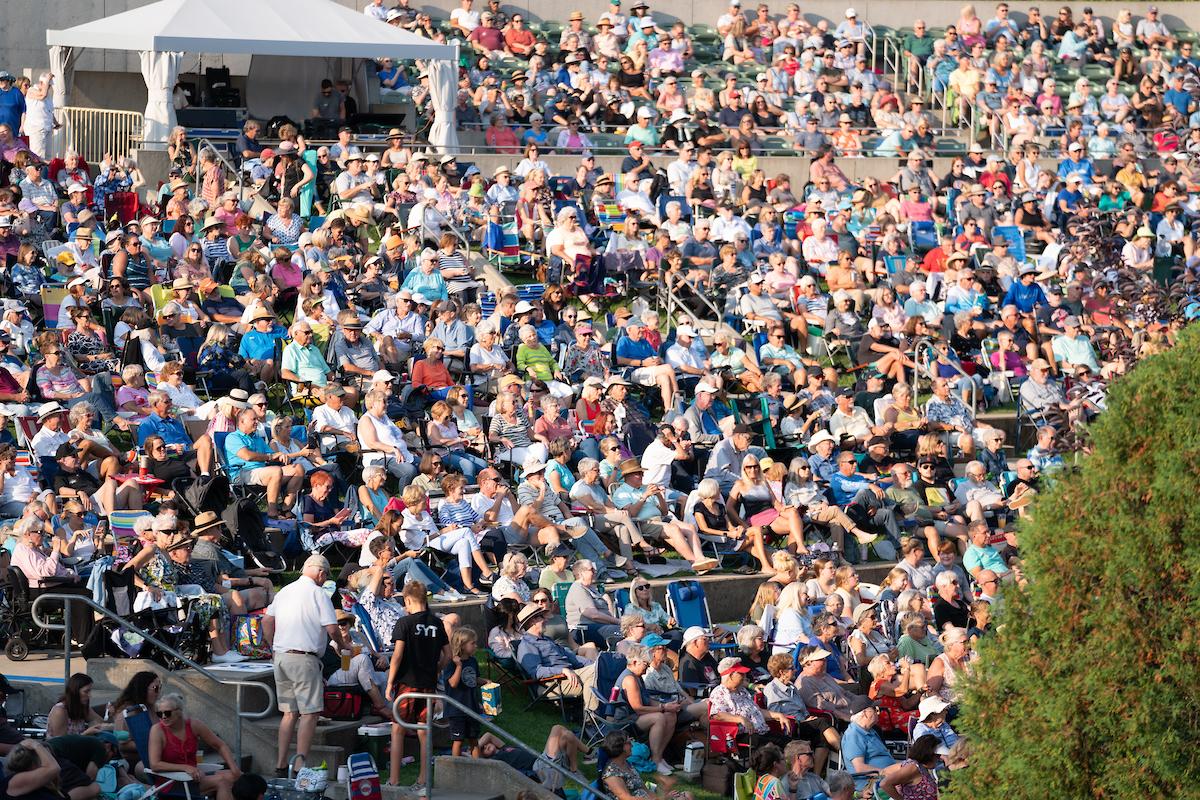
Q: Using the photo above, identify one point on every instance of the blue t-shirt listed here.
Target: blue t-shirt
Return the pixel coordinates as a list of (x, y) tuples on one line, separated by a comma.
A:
[(234, 442), (1178, 98), (637, 351), (260, 346), (12, 106), (857, 742), (467, 691)]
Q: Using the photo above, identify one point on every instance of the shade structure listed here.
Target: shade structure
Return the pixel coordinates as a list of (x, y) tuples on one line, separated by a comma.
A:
[(305, 28)]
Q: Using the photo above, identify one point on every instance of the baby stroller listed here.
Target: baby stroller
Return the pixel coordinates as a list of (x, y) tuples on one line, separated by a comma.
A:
[(17, 627), (177, 624)]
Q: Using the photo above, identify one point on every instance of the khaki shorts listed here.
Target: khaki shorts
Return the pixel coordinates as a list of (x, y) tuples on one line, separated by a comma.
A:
[(299, 685), (253, 477)]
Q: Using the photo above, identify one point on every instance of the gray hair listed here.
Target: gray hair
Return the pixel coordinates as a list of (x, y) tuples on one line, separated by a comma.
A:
[(371, 472), (131, 371), (302, 325), (508, 567), (945, 578), (143, 524), (587, 464), (174, 698), (579, 566), (708, 489), (79, 411), (637, 652), (840, 782), (747, 634), (527, 330), (878, 664), (157, 396)]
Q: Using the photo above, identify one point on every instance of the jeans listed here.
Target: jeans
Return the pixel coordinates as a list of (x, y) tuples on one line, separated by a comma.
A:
[(418, 571), (589, 446), (101, 397), (883, 519), (468, 464), (598, 633)]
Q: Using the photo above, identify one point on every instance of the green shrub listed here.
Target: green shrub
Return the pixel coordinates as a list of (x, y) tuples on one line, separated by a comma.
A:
[(1091, 687)]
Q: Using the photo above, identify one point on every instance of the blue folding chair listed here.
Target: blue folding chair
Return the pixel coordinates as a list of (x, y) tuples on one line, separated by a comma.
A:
[(1016, 240), (922, 236), (687, 603), (612, 712)]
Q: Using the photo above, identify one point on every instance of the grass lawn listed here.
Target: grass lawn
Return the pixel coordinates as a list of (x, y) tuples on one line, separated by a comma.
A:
[(532, 727)]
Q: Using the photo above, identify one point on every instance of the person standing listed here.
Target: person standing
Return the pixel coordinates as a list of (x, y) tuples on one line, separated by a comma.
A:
[(421, 651), (298, 625), (39, 116)]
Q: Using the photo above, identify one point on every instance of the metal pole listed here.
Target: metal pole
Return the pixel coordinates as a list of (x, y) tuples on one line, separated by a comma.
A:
[(428, 754), (66, 641)]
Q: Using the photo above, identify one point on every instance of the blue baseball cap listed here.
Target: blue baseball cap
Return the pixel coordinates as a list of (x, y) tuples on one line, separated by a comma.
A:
[(654, 640)]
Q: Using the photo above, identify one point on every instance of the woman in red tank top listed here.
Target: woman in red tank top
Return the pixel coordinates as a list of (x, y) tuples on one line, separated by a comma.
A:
[(173, 745)]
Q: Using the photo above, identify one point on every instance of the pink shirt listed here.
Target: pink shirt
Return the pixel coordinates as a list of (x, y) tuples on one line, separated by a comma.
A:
[(37, 566)]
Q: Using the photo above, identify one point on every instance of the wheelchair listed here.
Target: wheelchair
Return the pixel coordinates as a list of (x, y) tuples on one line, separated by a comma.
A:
[(17, 628)]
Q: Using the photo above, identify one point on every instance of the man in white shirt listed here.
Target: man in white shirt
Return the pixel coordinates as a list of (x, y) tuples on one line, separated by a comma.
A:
[(977, 490), (298, 625), (464, 18), (849, 419), (664, 451), (333, 421), (687, 359), (679, 171), (45, 443), (726, 226), (376, 10), (494, 497)]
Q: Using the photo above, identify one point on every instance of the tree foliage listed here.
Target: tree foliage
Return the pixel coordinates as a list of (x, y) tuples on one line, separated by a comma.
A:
[(1091, 687)]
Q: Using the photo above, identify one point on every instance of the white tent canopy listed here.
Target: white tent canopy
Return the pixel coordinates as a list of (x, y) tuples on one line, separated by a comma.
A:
[(306, 28)]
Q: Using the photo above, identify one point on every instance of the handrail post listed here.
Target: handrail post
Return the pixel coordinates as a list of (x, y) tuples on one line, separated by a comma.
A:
[(66, 641), (428, 754)]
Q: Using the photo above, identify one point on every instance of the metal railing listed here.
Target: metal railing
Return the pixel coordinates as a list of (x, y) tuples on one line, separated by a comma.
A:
[(220, 152), (94, 132), (427, 726), (65, 627)]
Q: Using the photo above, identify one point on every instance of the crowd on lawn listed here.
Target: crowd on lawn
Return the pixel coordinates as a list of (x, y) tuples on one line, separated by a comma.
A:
[(813, 398)]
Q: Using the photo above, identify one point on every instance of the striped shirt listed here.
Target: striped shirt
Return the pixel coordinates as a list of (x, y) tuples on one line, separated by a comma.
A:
[(460, 513)]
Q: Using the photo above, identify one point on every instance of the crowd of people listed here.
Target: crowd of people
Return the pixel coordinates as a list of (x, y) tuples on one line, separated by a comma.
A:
[(720, 370)]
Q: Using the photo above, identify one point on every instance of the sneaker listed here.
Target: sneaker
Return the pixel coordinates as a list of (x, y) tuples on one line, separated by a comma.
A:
[(229, 657), (419, 790), (663, 768), (442, 597)]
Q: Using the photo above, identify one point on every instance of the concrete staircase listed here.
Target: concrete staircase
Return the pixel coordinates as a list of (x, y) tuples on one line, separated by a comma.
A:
[(216, 704)]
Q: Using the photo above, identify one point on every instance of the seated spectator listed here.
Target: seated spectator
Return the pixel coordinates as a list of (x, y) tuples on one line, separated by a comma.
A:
[(173, 748)]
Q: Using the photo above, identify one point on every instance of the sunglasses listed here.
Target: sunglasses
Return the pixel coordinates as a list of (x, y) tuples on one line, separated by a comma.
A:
[(166, 713)]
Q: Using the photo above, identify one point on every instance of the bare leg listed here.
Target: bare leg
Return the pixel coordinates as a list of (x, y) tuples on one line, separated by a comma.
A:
[(204, 454), (287, 726)]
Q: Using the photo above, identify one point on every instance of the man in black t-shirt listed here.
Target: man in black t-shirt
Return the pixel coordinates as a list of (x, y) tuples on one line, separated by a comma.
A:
[(697, 667), (74, 481), (421, 650)]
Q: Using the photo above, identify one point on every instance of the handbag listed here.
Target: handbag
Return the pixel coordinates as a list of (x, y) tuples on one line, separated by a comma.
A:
[(249, 639)]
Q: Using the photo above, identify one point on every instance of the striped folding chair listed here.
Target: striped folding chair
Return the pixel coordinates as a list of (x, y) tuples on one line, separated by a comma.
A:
[(52, 298), (502, 245), (609, 215)]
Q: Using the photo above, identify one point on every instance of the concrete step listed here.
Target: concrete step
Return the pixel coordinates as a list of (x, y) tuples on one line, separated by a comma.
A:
[(464, 778)]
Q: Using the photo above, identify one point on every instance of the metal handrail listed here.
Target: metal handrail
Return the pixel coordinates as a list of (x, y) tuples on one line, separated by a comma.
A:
[(65, 627), (430, 697), (237, 175)]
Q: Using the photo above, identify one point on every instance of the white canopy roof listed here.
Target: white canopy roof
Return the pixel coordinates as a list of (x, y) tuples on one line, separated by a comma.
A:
[(255, 27)]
